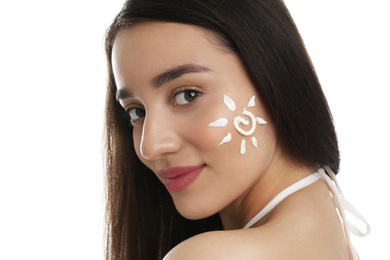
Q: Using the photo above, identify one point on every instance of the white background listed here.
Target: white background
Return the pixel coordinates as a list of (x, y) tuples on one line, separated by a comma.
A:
[(52, 88)]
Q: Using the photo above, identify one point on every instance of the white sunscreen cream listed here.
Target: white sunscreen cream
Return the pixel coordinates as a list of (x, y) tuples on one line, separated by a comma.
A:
[(254, 141), (251, 102), (260, 121), (222, 122), (242, 149), (239, 121), (229, 103), (226, 139)]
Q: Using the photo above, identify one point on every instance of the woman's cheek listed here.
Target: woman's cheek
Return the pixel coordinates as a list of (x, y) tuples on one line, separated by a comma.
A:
[(207, 136)]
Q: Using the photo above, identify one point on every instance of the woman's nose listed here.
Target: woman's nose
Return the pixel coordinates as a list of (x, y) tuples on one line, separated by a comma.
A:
[(159, 138)]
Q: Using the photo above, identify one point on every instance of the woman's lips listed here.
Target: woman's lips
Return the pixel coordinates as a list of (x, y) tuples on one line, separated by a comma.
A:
[(179, 178)]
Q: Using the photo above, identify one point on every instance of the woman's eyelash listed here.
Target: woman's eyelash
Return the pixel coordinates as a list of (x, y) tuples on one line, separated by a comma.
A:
[(182, 89), (185, 95)]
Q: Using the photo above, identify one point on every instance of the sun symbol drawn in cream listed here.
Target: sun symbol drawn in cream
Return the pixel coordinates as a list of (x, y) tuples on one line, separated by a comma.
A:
[(222, 122)]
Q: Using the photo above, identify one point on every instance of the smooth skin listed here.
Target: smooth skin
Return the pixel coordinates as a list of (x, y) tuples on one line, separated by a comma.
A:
[(172, 78)]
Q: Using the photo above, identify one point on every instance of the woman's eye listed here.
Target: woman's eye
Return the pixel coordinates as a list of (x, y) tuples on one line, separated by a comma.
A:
[(136, 113), (186, 97)]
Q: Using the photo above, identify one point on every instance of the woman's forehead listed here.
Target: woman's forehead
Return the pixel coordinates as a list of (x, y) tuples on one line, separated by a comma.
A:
[(149, 48)]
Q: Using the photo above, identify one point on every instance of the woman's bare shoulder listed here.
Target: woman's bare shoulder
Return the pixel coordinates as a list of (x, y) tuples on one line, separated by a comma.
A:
[(256, 243), (215, 245), (305, 229)]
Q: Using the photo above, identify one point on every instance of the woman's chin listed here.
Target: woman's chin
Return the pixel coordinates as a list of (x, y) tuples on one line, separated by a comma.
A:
[(195, 213)]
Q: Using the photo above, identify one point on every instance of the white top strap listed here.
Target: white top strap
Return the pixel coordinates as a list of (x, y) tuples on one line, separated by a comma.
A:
[(281, 196), (341, 202), (333, 185), (345, 205)]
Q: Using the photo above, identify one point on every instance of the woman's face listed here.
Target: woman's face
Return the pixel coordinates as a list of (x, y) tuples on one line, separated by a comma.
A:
[(174, 82)]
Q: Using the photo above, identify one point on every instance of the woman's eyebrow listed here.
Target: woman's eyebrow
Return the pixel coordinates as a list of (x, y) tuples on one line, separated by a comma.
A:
[(123, 94), (165, 77), (177, 72)]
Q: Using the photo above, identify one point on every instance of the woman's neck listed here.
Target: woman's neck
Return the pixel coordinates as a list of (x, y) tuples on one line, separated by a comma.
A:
[(281, 173)]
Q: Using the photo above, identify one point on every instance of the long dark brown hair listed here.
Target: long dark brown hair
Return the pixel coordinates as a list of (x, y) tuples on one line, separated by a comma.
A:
[(141, 220)]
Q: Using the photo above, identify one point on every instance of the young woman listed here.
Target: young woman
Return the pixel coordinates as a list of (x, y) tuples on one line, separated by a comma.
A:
[(220, 143)]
